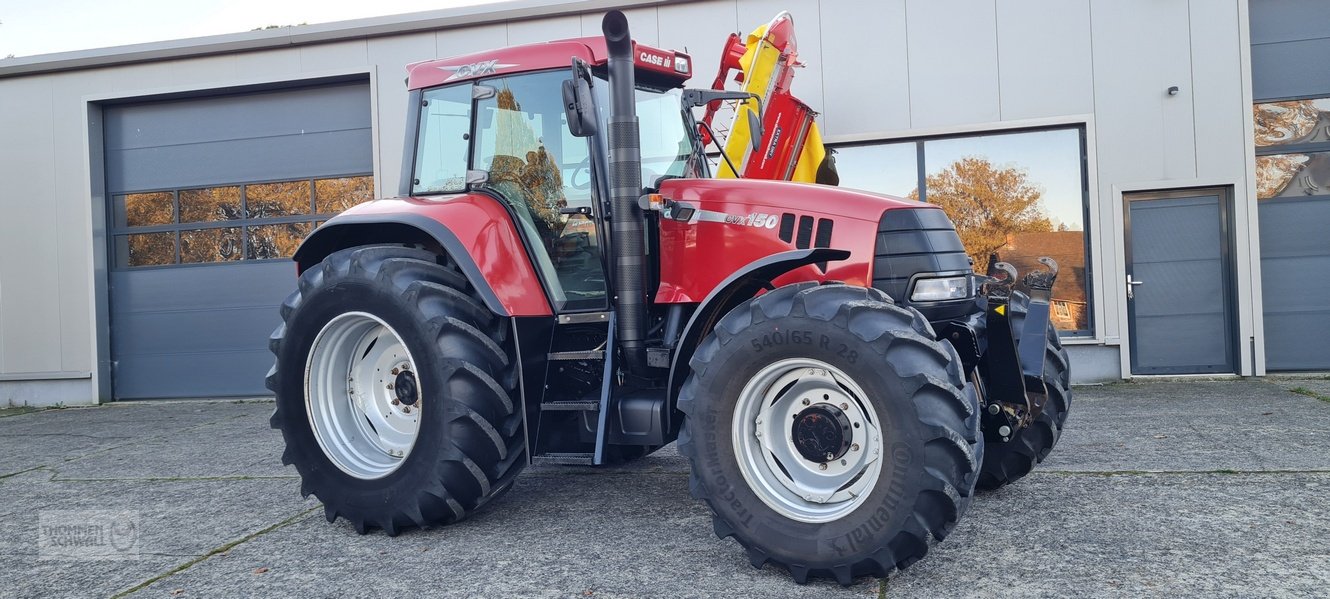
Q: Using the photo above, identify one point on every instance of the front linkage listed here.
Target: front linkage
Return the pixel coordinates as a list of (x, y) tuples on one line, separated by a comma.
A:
[(1013, 362)]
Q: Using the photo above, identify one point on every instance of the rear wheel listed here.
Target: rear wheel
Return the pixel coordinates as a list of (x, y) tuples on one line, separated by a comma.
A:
[(394, 390), (1007, 462), (829, 431)]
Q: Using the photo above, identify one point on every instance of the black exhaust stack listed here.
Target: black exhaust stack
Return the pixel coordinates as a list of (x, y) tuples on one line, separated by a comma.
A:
[(626, 221)]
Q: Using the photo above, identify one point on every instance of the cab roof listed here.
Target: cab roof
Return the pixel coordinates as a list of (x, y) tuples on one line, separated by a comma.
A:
[(666, 68)]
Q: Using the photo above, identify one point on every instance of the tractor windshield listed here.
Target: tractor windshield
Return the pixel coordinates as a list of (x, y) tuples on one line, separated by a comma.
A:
[(666, 145)]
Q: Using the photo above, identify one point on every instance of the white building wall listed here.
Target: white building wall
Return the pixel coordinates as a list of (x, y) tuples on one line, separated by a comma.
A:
[(877, 69)]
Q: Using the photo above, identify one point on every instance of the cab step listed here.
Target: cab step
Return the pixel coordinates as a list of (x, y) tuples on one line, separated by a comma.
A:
[(590, 405), (566, 459)]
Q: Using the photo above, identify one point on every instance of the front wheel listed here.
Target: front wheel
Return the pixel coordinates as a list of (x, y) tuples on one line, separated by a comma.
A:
[(829, 431)]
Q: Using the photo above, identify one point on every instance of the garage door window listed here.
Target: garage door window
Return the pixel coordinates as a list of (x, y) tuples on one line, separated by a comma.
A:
[(228, 223)]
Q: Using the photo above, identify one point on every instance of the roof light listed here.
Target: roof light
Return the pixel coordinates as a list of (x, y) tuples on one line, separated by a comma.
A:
[(681, 64)]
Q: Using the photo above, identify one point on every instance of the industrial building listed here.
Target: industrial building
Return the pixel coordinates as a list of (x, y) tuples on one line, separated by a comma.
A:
[(1172, 155)]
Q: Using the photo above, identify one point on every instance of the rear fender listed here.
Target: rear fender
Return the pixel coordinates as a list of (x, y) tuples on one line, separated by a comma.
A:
[(739, 287), (487, 250)]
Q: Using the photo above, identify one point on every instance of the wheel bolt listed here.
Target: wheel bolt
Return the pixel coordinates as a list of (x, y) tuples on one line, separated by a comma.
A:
[(854, 447), (406, 409), (757, 434), (395, 402), (806, 402), (830, 456), (390, 386), (395, 371), (822, 466), (845, 406), (842, 462)]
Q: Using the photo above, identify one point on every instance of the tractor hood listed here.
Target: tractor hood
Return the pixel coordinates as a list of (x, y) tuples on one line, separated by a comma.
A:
[(797, 197)]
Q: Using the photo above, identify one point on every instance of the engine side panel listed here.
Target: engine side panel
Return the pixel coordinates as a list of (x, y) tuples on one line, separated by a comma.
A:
[(482, 229), (739, 222)]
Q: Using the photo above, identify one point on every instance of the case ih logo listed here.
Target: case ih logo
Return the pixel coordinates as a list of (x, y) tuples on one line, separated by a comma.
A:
[(645, 57), (475, 69), (760, 220)]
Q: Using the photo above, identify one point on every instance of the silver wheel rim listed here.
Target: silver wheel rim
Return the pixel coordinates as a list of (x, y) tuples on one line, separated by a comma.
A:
[(363, 422), (784, 479)]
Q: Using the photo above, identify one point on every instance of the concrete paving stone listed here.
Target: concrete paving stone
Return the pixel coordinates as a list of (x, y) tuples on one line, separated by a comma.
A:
[(233, 447), (599, 533), (1178, 535), (1319, 385), (54, 436), (1193, 426), (177, 521)]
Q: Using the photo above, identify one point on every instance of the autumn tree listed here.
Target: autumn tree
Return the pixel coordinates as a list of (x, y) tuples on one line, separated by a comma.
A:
[(986, 203)]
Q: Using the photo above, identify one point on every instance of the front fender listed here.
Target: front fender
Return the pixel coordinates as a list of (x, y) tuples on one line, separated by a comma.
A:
[(737, 288)]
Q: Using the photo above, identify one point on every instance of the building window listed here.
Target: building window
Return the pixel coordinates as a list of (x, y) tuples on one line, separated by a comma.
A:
[(227, 223), (1292, 148), (1018, 195)]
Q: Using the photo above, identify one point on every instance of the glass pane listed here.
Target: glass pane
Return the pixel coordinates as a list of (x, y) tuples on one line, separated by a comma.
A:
[(210, 245), (271, 200), (445, 124), (147, 209), (520, 140), (335, 195), (276, 241), (210, 204), (1292, 175), (1294, 122), (891, 169), (147, 249), (1020, 196)]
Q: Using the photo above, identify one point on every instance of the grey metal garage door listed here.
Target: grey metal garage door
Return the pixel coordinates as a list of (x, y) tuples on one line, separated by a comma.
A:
[(1295, 257), (208, 199)]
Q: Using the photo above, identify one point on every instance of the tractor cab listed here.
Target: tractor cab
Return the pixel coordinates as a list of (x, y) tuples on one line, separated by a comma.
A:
[(500, 121)]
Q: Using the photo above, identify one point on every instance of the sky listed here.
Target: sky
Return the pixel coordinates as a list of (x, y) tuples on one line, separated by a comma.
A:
[(29, 27)]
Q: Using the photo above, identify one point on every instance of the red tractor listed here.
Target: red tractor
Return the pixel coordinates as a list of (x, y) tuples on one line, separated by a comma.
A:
[(562, 281)]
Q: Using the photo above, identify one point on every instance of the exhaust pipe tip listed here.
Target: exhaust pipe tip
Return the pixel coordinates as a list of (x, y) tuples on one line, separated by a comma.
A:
[(615, 28)]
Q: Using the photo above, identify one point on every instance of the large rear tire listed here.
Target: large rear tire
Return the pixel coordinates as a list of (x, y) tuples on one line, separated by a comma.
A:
[(394, 390), (829, 431), (1008, 462)]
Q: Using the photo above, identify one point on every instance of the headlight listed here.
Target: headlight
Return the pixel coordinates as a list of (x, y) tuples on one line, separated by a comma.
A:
[(945, 288)]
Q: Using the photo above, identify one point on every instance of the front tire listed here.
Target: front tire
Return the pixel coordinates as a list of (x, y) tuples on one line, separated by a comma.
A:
[(394, 390), (829, 431)]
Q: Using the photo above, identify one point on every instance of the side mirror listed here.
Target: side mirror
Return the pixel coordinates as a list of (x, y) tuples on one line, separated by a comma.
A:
[(755, 130), (577, 107)]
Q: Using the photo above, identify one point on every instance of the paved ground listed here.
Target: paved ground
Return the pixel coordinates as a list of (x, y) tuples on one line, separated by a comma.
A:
[(1167, 488)]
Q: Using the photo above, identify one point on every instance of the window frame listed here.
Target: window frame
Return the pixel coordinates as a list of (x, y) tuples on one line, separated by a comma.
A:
[(116, 205), (1091, 331)]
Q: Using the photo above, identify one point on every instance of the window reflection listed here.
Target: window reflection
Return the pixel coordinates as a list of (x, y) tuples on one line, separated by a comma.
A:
[(147, 209), (1020, 195), (267, 242), (210, 245), (147, 249), (1292, 175), (1292, 122), (335, 195), (892, 169), (210, 204), (271, 200)]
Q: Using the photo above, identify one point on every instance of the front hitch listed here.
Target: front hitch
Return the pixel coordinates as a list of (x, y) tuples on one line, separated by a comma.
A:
[(1015, 390)]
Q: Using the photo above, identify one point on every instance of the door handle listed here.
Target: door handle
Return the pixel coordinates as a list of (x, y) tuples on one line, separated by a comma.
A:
[(1131, 285)]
